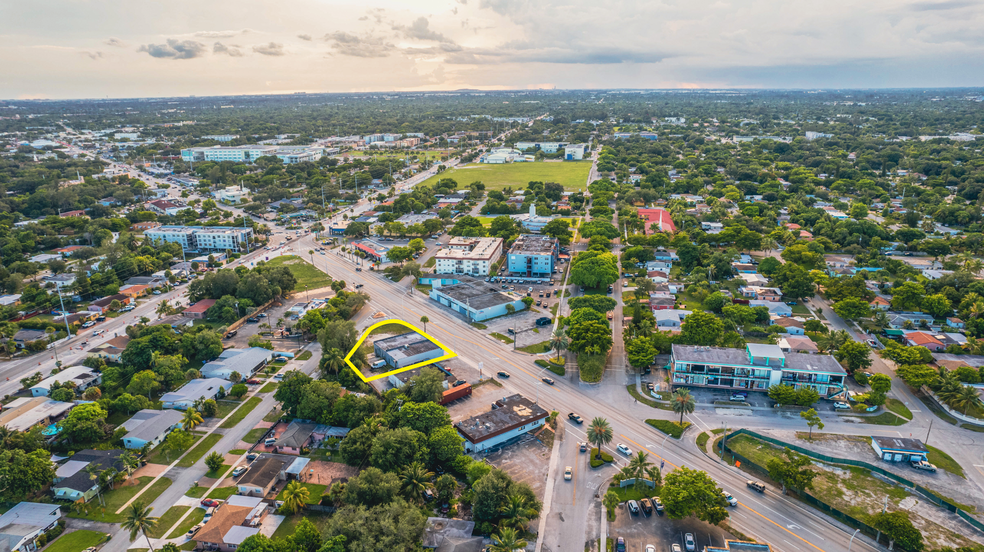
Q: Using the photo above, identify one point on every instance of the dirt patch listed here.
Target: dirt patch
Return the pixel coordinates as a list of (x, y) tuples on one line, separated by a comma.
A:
[(152, 470), (527, 461), (326, 473)]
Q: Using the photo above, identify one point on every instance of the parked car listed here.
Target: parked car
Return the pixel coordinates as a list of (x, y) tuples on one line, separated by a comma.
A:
[(254, 381), (658, 505), (689, 543), (729, 499), (568, 473), (623, 449), (252, 320), (647, 506), (210, 503), (841, 405), (755, 485), (543, 321), (620, 544), (739, 397), (191, 532), (923, 465), (232, 334), (633, 507), (239, 471), (575, 418), (675, 548), (650, 548)]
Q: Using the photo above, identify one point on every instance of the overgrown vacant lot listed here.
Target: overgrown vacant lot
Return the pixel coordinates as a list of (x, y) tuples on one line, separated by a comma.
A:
[(572, 175)]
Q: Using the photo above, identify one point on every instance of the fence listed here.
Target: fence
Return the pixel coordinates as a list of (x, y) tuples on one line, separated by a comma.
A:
[(837, 514)]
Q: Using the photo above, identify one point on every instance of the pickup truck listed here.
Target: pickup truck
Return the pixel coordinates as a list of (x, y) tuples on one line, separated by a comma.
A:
[(924, 465), (575, 418), (755, 485)]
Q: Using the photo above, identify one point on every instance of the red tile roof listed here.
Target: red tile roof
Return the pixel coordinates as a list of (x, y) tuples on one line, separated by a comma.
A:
[(660, 217), (200, 307)]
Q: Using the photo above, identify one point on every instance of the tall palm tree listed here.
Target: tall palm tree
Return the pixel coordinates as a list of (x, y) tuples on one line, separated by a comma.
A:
[(966, 398), (415, 479), (129, 461), (600, 433), (424, 320), (610, 500), (507, 540), (94, 473), (682, 402), (191, 419), (638, 467), (976, 309), (559, 341), (516, 514), (295, 496), (137, 519), (334, 360)]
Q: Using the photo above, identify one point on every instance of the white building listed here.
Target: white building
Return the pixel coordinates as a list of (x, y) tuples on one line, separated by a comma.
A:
[(248, 154), (221, 137), (127, 135), (473, 256), (82, 377), (202, 238), (232, 194), (149, 426), (509, 418), (575, 152), (21, 525)]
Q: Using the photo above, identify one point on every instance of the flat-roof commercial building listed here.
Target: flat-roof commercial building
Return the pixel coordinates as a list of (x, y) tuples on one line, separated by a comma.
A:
[(899, 449), (203, 238), (532, 221), (755, 369), (406, 349), (509, 418), (473, 256), (533, 256), (575, 152), (290, 155), (473, 298)]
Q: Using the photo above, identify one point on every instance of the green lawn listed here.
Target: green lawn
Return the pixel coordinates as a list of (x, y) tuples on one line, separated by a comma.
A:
[(245, 409), (304, 355), (270, 387), (237, 452), (305, 273), (630, 493), (195, 454), (536, 348), (315, 492), (255, 434), (944, 461), (592, 367), (76, 541), (885, 418), (573, 175), (170, 517), (160, 456), (116, 498), (194, 518), (217, 473), (289, 524), (220, 493), (225, 406), (899, 408), (502, 338)]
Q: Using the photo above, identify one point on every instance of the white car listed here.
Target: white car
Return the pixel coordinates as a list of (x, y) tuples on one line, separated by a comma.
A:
[(568, 473), (729, 499), (650, 548), (688, 541), (841, 405), (623, 449)]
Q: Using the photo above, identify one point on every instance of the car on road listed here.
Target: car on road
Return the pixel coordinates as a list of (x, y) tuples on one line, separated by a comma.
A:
[(503, 375), (582, 446), (547, 381), (841, 405), (623, 449), (689, 543), (575, 418), (239, 471), (755, 485), (210, 503), (610, 315), (739, 397), (568, 473), (729, 499), (633, 507), (658, 505), (872, 343), (620, 544)]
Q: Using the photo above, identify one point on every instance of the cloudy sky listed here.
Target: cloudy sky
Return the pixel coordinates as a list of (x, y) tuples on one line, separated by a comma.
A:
[(134, 48)]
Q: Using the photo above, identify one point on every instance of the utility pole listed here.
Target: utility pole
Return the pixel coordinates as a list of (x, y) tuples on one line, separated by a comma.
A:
[(724, 440), (929, 430), (885, 507)]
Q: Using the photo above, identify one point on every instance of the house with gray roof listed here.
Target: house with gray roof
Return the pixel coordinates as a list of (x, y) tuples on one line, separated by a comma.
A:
[(244, 361), (150, 427), (775, 307), (21, 525), (196, 389)]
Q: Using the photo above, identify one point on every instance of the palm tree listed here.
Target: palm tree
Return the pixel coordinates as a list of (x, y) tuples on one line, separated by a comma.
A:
[(424, 320), (163, 309), (129, 461), (516, 514), (559, 341), (638, 467), (94, 473), (191, 419), (415, 479), (137, 519), (881, 319), (976, 309), (334, 361), (610, 501), (966, 398), (295, 496), (600, 433), (682, 402), (508, 540)]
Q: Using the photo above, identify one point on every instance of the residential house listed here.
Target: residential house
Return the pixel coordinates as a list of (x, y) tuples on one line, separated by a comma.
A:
[(21, 525), (297, 436), (761, 293), (101, 306), (196, 389), (451, 535), (742, 268), (661, 302), (244, 361), (955, 322), (60, 280), (234, 521), (663, 266), (165, 207), (898, 320), (81, 376), (111, 350), (197, 311), (262, 475), (776, 308), (149, 281), (72, 481), (753, 280), (670, 319), (23, 413), (658, 277), (134, 291), (792, 325), (880, 303), (23, 337), (149, 427), (798, 344), (922, 339)]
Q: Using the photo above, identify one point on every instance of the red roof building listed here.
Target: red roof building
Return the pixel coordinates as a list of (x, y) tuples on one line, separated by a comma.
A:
[(920, 339), (657, 220), (198, 309)]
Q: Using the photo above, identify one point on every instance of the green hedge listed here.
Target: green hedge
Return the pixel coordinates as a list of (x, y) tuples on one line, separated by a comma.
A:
[(673, 429), (605, 458), (592, 367)]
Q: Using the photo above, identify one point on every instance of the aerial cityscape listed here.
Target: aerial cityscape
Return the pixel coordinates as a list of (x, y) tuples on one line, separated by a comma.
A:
[(487, 277)]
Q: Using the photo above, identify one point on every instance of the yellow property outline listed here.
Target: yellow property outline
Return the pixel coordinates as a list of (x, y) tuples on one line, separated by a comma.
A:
[(448, 353)]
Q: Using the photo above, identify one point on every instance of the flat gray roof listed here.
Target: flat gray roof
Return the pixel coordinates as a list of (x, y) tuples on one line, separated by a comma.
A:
[(476, 295), (900, 443), (709, 355), (805, 362), (762, 350), (531, 244), (513, 411), (798, 362)]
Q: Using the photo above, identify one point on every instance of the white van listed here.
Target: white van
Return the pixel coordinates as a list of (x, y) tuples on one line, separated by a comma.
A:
[(378, 364), (269, 441)]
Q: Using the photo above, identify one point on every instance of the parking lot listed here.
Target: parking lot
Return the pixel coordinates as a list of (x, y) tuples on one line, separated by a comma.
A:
[(274, 313), (523, 320), (638, 530)]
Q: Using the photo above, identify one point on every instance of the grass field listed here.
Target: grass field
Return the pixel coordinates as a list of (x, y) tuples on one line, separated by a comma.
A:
[(220, 493), (194, 518), (536, 348), (119, 496), (305, 273), (245, 409), (195, 454), (255, 434), (270, 387), (314, 492), (169, 518), (160, 456), (289, 524), (76, 541), (573, 175)]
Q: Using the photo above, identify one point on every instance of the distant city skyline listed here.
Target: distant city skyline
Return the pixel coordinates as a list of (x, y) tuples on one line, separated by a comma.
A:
[(116, 49)]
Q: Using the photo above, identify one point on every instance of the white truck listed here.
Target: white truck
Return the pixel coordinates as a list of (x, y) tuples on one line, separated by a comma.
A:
[(923, 465)]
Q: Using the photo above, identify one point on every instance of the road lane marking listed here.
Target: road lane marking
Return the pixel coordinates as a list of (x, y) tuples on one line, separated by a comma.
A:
[(781, 527), (574, 481), (641, 447)]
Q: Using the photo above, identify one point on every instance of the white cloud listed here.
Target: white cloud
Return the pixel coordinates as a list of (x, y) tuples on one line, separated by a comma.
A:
[(271, 49), (232, 51), (175, 49)]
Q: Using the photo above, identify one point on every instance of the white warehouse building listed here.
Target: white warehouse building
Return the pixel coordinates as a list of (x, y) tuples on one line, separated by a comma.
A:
[(509, 418)]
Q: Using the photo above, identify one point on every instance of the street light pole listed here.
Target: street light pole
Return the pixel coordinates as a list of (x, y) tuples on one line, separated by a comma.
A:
[(851, 542)]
